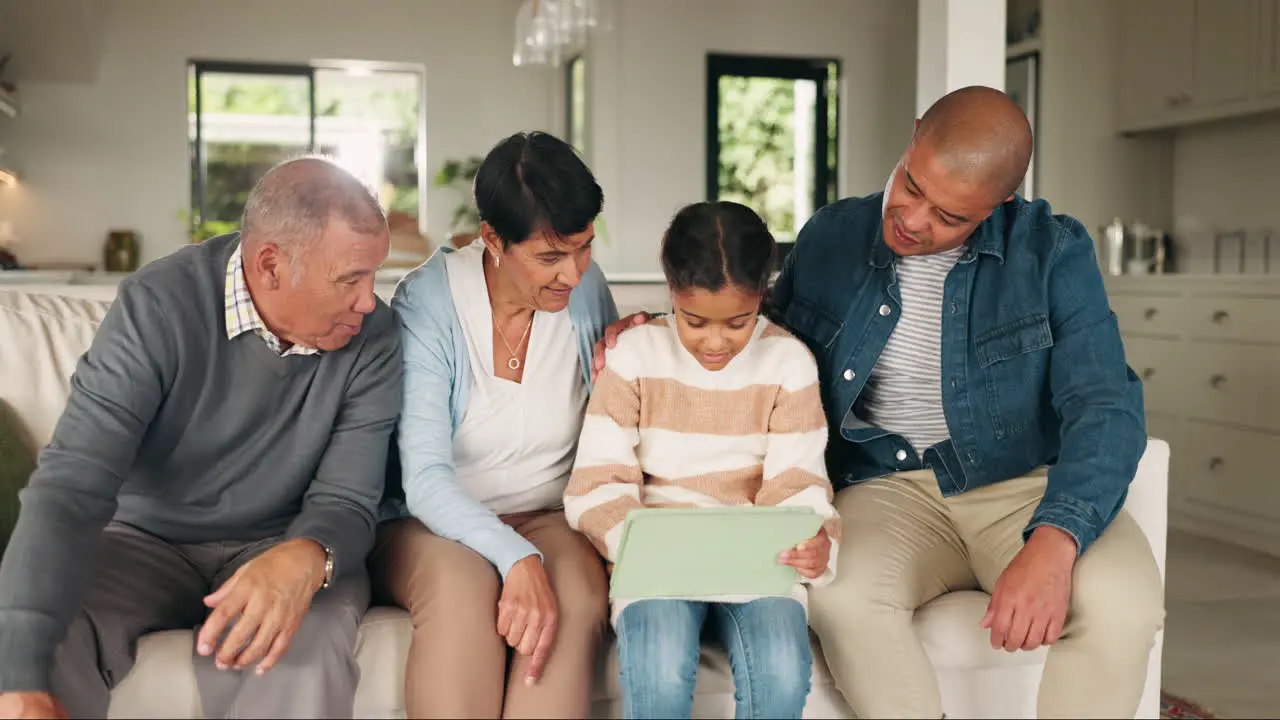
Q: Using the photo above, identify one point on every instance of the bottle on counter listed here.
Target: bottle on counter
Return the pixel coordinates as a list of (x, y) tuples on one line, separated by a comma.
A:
[(1113, 247)]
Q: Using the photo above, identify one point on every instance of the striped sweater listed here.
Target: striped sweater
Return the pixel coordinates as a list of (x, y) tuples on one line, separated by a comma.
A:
[(663, 431), (904, 392)]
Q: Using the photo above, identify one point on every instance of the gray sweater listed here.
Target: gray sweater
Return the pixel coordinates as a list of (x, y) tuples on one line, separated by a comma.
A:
[(178, 431)]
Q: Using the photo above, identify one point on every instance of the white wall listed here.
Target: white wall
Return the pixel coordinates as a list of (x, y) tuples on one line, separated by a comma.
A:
[(648, 85), (1226, 176), (961, 43), (1083, 167), (113, 154)]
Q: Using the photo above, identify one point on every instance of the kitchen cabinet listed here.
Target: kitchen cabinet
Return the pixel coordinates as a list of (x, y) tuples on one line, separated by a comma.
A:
[(1155, 67), (1224, 52), (1269, 48), (1207, 349), (1181, 62)]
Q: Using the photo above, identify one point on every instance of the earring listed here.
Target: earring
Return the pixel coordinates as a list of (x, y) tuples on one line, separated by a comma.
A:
[(497, 259)]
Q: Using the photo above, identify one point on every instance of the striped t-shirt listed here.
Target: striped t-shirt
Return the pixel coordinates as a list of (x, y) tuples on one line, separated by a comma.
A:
[(904, 393), (663, 431)]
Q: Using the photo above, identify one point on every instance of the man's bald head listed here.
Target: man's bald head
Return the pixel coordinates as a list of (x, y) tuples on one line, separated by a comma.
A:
[(982, 136), (294, 201)]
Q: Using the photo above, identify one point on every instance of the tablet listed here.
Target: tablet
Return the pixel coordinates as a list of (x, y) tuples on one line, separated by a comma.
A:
[(691, 553)]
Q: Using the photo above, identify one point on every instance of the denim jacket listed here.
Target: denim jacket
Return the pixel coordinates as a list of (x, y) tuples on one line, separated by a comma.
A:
[(437, 382), (1033, 368)]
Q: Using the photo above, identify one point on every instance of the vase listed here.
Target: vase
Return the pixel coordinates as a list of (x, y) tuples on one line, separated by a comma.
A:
[(120, 254)]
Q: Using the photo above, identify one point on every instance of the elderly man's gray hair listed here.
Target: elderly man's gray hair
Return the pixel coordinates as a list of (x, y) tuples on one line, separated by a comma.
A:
[(294, 201)]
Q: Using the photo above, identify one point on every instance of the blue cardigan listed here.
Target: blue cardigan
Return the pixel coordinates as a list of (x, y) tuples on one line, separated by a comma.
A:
[(436, 368)]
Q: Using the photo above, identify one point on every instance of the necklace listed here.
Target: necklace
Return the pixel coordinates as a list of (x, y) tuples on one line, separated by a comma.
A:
[(514, 362)]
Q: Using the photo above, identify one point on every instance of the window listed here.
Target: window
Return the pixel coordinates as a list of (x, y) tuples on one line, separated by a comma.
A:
[(772, 136), (245, 118), (575, 110)]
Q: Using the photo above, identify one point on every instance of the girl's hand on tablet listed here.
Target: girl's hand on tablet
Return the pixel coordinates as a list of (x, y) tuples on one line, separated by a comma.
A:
[(810, 557)]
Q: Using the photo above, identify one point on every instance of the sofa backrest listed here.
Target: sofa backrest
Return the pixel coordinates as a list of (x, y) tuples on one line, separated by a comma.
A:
[(42, 336)]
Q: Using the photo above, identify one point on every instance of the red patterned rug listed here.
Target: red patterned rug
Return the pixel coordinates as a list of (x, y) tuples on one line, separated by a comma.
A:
[(1174, 707)]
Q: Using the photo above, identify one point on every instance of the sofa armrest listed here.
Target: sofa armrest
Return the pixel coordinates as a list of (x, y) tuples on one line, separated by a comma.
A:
[(1148, 500)]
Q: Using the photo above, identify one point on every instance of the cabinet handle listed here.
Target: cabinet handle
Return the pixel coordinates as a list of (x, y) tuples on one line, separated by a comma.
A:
[(1149, 314), (1217, 381), (1147, 373), (1220, 317), (1215, 463)]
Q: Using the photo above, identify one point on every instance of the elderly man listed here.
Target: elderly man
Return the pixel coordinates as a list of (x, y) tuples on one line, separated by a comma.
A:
[(984, 424), (219, 462)]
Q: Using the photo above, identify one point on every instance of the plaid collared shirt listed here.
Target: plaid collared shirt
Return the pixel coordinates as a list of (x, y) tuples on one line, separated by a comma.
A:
[(243, 317)]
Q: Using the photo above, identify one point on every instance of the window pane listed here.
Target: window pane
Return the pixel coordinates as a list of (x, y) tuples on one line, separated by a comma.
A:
[(368, 121), (833, 132), (248, 123), (578, 104), (766, 161)]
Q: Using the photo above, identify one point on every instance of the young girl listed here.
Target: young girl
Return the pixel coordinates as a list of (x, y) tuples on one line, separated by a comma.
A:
[(710, 406)]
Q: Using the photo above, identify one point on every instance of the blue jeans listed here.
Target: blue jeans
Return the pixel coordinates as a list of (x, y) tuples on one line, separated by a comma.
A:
[(768, 644)]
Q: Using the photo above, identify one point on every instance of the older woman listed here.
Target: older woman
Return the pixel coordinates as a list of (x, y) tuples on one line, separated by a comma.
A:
[(498, 338)]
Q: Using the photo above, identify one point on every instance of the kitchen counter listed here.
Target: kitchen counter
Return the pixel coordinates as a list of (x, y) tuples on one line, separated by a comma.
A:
[(631, 292)]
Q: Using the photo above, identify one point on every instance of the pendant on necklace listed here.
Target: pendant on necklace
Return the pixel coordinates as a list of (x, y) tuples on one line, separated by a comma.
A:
[(514, 363)]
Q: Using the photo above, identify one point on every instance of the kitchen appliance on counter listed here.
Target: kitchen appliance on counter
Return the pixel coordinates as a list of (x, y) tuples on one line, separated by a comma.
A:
[(1240, 251), (1136, 249)]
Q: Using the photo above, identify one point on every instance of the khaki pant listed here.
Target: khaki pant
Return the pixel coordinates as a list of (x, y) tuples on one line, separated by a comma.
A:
[(904, 545), (458, 664)]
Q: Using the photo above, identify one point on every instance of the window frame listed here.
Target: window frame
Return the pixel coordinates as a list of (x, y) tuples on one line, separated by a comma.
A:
[(570, 97), (200, 169), (826, 113)]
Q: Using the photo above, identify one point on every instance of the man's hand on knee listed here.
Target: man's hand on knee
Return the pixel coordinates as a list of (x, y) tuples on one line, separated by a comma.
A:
[(1029, 606), (267, 600), (30, 705)]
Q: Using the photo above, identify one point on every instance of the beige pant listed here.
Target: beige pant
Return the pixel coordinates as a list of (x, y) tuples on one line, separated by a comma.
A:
[(904, 545), (458, 664)]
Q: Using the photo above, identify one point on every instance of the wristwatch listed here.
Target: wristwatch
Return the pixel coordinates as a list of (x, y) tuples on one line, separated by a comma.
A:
[(328, 566)]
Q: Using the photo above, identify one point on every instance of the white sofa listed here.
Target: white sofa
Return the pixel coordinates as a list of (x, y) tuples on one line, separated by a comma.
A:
[(43, 330)]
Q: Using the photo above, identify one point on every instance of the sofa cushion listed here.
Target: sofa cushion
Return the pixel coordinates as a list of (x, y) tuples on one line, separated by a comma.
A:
[(16, 464), (163, 682), (41, 338)]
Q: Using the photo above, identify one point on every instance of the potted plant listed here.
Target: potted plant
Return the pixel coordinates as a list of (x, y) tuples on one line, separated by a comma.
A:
[(201, 231), (459, 175), (465, 227)]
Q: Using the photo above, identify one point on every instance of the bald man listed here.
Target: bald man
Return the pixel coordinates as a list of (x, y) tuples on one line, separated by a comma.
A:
[(218, 466), (984, 424)]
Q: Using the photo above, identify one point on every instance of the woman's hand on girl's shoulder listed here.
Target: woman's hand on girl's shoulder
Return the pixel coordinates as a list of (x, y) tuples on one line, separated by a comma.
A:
[(810, 557), (611, 338)]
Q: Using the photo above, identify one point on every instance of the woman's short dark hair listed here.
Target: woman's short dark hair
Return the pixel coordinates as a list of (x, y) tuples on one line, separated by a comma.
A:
[(535, 181), (712, 244)]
